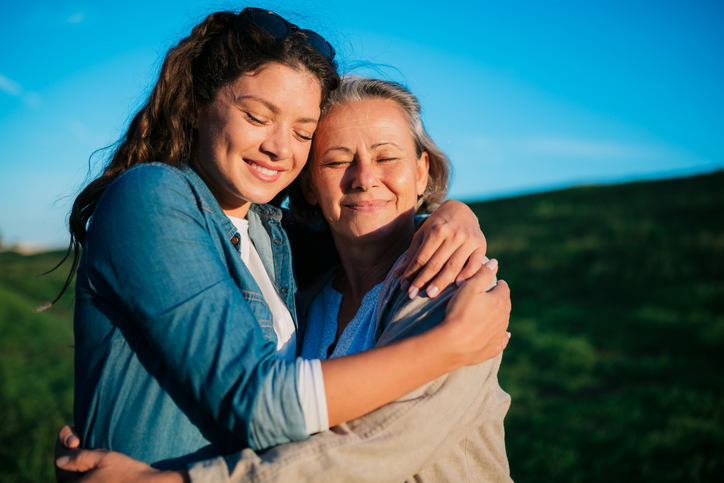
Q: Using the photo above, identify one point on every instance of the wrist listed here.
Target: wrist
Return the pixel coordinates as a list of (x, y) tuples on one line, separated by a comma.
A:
[(446, 348)]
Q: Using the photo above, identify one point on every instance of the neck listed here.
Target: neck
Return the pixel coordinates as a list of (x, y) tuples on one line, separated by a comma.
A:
[(366, 263)]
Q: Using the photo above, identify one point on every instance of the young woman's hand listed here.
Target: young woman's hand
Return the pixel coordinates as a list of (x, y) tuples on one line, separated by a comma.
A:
[(477, 317), (100, 465), (449, 246)]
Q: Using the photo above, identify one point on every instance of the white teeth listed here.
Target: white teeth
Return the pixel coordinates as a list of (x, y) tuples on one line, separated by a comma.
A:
[(263, 170)]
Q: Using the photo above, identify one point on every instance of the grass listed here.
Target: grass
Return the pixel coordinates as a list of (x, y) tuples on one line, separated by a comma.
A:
[(615, 362), (36, 366), (618, 330)]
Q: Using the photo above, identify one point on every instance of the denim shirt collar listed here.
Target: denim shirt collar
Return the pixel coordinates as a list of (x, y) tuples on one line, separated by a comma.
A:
[(265, 230), (210, 204)]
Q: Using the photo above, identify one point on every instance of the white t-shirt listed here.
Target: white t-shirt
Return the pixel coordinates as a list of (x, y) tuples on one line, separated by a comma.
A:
[(310, 383)]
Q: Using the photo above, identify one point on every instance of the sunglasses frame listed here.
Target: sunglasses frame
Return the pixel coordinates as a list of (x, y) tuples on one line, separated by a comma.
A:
[(256, 15)]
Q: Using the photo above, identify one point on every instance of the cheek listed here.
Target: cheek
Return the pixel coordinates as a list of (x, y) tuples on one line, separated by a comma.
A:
[(405, 183), (326, 188)]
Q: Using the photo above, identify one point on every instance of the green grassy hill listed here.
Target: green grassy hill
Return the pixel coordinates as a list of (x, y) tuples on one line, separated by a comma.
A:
[(616, 360), (36, 366), (615, 365)]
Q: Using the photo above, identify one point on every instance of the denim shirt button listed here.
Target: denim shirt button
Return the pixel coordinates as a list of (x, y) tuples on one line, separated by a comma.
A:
[(277, 241), (285, 290), (235, 239)]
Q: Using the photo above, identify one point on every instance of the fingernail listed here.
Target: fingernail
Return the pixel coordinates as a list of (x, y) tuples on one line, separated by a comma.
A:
[(432, 291), (413, 292), (508, 334), (492, 264), (62, 461), (405, 285), (460, 282), (70, 440)]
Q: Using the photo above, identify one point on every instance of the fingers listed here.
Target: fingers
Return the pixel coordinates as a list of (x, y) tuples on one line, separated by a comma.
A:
[(64, 446), (496, 346), (476, 260), (81, 460), (444, 266), (502, 289), (421, 253), (484, 278), (68, 437)]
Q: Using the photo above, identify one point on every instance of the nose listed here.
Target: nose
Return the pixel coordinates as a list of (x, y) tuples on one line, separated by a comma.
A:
[(363, 175), (278, 143)]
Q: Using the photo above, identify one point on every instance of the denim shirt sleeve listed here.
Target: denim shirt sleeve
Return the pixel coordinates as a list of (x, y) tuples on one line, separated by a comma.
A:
[(151, 254)]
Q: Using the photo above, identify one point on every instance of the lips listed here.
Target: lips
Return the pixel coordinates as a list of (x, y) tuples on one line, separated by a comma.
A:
[(367, 205), (263, 170), (264, 173)]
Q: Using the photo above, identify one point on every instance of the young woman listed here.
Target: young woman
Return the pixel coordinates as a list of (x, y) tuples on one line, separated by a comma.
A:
[(373, 167), (185, 293)]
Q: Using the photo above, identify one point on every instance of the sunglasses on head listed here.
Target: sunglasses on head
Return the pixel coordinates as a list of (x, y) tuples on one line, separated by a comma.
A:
[(279, 28)]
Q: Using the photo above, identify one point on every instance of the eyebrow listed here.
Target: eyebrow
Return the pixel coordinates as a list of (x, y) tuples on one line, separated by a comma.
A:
[(275, 109), (338, 148), (384, 143), (351, 151)]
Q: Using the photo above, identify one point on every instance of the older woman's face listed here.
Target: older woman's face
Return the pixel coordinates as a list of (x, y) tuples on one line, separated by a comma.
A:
[(364, 173)]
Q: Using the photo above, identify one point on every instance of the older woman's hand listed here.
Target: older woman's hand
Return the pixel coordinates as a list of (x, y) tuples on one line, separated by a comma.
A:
[(449, 246), (100, 465)]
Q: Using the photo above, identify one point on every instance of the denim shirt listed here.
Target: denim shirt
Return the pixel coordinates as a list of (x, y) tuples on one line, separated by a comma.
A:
[(175, 352)]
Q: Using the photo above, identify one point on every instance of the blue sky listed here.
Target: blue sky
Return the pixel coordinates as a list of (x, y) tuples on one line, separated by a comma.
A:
[(523, 96)]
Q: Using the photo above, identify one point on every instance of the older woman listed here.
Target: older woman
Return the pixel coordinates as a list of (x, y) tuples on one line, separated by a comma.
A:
[(372, 168)]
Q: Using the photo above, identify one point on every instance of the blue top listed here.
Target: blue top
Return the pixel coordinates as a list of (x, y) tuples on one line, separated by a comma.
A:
[(321, 329), (175, 350)]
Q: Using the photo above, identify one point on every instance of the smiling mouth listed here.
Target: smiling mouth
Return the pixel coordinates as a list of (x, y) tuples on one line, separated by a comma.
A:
[(366, 205), (263, 170)]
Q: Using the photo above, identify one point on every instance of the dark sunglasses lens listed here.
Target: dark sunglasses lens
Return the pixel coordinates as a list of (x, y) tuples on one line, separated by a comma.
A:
[(271, 22), (318, 42)]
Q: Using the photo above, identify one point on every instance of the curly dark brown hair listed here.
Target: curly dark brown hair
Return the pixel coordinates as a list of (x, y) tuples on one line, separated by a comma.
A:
[(218, 51)]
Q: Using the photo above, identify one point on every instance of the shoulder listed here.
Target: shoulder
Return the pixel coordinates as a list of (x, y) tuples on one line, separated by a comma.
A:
[(147, 189), (146, 180), (403, 317), (399, 316), (147, 195)]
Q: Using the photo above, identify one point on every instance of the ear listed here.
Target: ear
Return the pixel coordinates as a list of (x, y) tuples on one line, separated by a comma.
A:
[(305, 181), (423, 168)]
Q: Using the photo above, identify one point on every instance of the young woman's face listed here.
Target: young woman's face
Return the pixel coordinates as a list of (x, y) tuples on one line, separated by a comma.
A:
[(254, 139), (364, 174)]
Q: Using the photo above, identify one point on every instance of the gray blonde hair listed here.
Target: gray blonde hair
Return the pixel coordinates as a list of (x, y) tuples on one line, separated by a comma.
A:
[(354, 89)]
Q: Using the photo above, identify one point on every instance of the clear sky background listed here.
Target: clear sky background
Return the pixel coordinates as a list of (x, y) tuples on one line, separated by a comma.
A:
[(523, 96)]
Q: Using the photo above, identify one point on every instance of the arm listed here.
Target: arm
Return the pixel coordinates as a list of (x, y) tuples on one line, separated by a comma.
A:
[(472, 331), (419, 432), (99, 465), (395, 441), (415, 434)]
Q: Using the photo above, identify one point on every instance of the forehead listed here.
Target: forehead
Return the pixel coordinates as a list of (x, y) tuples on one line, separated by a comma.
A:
[(280, 84), (370, 118)]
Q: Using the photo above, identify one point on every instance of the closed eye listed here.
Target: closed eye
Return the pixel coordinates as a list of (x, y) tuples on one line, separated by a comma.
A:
[(337, 163), (254, 120)]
